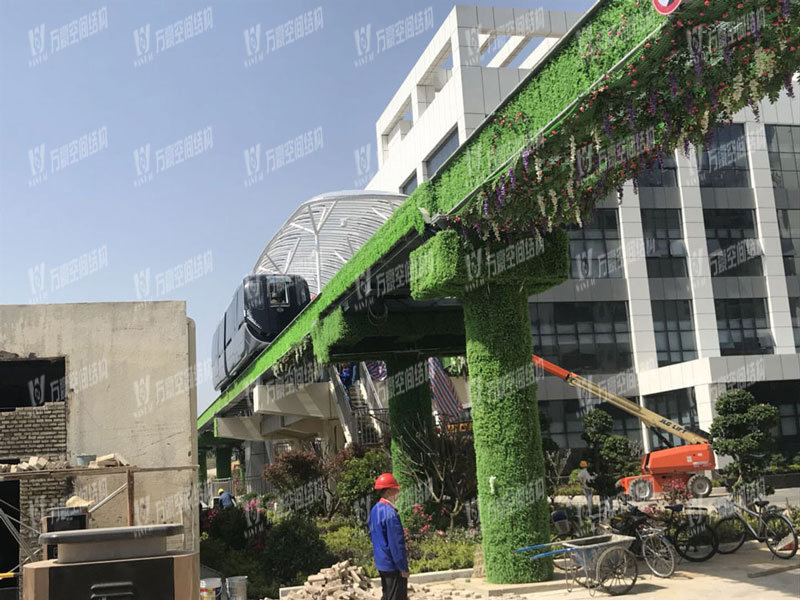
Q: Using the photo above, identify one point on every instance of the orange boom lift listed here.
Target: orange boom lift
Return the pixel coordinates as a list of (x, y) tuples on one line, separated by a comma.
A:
[(685, 463)]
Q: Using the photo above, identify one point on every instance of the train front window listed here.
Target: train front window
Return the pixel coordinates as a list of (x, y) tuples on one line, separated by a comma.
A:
[(278, 291), (254, 294)]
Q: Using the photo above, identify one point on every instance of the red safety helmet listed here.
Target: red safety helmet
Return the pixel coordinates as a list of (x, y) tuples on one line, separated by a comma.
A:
[(386, 481)]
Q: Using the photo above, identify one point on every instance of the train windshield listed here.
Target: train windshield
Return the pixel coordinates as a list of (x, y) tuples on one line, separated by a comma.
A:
[(278, 291)]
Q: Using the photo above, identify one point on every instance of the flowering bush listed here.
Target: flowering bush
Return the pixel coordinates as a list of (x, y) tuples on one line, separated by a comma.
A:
[(418, 524), (676, 492)]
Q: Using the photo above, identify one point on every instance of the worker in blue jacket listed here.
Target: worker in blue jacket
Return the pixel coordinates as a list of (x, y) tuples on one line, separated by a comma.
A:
[(389, 541)]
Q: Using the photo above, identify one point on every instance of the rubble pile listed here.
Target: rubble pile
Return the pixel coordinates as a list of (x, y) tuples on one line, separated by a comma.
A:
[(344, 581), (34, 463)]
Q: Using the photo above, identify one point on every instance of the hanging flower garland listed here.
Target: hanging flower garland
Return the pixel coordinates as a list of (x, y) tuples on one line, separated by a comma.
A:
[(673, 94)]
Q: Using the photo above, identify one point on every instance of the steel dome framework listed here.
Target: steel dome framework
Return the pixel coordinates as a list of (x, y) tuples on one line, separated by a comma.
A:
[(324, 233)]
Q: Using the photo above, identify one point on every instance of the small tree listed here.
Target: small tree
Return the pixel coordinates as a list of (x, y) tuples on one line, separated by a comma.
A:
[(555, 462), (443, 468), (741, 430), (293, 469), (598, 425)]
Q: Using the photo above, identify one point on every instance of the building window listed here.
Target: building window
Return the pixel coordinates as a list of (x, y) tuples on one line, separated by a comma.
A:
[(679, 406), (724, 164), (664, 176), (743, 326), (663, 234), (794, 308), (783, 145), (732, 239), (587, 337), (785, 395), (566, 422), (410, 185), (442, 153), (594, 249), (672, 321), (789, 226)]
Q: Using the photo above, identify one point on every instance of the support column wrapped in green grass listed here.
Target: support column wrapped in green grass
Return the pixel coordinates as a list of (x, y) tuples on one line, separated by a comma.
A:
[(410, 421), (508, 444)]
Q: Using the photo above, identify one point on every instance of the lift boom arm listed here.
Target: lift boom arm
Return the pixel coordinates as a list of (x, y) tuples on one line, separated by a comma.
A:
[(648, 417)]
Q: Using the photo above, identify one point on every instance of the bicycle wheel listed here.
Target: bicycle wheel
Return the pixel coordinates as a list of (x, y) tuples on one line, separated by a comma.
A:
[(695, 542), (731, 534), (781, 536), (659, 555), (617, 571)]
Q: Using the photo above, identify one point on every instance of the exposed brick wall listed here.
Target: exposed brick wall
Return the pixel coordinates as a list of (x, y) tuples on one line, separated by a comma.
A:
[(34, 431), (36, 497)]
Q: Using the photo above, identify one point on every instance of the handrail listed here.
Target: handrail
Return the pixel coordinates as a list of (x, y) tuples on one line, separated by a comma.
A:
[(343, 408)]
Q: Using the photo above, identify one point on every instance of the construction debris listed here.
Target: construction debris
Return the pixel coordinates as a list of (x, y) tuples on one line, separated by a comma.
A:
[(344, 581), (42, 463), (108, 460)]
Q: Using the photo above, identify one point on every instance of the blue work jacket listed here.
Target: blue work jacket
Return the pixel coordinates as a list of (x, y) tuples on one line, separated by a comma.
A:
[(388, 538)]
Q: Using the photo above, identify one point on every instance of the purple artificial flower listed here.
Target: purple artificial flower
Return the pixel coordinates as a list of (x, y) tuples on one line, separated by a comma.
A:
[(686, 147), (486, 205), (660, 156), (513, 179), (787, 82), (785, 11), (631, 117), (619, 194), (673, 85), (652, 99), (712, 95), (607, 126), (635, 186), (525, 156), (689, 100), (500, 195)]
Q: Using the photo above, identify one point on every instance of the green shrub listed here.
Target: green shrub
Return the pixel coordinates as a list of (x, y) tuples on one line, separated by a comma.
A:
[(351, 543), (226, 525), (357, 478), (294, 550), (218, 555), (441, 553)]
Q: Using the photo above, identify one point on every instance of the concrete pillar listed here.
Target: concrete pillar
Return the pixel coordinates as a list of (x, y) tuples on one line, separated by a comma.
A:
[(694, 233), (223, 462), (780, 317)]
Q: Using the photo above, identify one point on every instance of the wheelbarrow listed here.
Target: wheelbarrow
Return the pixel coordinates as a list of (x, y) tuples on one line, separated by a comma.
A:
[(601, 561)]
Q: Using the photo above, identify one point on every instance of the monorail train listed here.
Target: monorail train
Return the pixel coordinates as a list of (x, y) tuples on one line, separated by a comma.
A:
[(262, 306)]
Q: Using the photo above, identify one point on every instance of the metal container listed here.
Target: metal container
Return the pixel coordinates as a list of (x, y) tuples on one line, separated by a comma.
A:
[(237, 587)]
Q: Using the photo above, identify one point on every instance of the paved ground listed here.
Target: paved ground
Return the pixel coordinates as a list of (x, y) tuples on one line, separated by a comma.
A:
[(722, 578)]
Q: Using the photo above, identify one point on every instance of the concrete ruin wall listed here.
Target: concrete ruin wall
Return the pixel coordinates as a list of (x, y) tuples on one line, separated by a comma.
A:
[(131, 390)]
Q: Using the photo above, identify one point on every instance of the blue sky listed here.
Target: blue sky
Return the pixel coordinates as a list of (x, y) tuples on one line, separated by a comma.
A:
[(95, 205)]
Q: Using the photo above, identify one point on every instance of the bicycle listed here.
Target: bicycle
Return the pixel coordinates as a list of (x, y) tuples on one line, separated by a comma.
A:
[(650, 543), (693, 538), (774, 528)]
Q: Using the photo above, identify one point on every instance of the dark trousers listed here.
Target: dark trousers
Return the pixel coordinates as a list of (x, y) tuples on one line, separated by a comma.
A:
[(395, 586)]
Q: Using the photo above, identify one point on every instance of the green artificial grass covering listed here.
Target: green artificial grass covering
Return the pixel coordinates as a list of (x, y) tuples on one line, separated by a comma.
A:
[(447, 266), (410, 422), (508, 445)]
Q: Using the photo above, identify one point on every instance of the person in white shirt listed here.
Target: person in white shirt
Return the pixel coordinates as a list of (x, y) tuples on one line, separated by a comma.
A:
[(584, 477)]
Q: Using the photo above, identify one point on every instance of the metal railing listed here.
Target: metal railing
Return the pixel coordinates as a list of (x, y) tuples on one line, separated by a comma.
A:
[(370, 425)]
